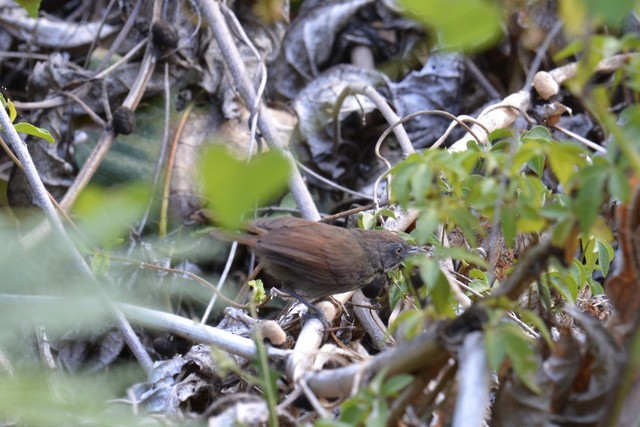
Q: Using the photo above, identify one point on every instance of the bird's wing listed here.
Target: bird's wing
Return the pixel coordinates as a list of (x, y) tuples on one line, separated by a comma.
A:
[(311, 262), (280, 222)]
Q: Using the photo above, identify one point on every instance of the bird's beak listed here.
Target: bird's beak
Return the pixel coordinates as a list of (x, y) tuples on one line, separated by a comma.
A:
[(416, 250)]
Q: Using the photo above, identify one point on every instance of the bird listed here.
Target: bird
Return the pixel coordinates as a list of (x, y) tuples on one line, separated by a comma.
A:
[(314, 260)]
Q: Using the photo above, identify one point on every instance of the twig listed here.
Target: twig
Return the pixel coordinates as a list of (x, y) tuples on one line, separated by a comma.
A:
[(371, 322), (223, 277), (42, 197), (213, 14), (585, 141), (424, 351), (473, 383), (178, 272), (191, 330)]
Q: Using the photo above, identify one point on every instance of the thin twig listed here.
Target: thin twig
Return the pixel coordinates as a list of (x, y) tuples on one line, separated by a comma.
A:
[(213, 14), (42, 197)]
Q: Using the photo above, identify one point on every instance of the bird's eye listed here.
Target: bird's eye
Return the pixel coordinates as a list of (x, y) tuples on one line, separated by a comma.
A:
[(399, 251)]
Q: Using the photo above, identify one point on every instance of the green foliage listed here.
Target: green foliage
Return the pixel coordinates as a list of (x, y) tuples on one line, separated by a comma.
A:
[(466, 190), (504, 340), (580, 15), (465, 25), (265, 379), (436, 286), (107, 214), (259, 294), (32, 130), (233, 187), (368, 221), (597, 256), (503, 184), (24, 127), (31, 6), (101, 261), (370, 406), (37, 398)]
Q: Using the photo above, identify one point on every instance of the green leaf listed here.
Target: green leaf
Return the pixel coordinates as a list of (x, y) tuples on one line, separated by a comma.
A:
[(562, 231), (233, 187), (531, 318), (366, 221), (518, 348), (565, 284), (466, 25), (495, 347), (32, 130), (411, 322), (462, 254), (605, 256), (12, 110), (100, 263), (542, 288), (259, 294), (500, 134), (618, 185), (579, 274), (31, 6), (538, 133), (480, 281), (610, 12), (385, 213), (437, 286), (426, 224), (508, 221), (590, 254), (536, 164), (596, 288), (104, 215), (564, 160), (395, 385), (589, 199)]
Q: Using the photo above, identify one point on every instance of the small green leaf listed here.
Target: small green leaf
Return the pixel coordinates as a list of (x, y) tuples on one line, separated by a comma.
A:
[(233, 186), (259, 294), (611, 12), (32, 130), (508, 221), (104, 215), (366, 221), (410, 321), (437, 286), (589, 199), (31, 6), (542, 288), (538, 133), (12, 110), (523, 359), (531, 318), (596, 288), (100, 263), (385, 213), (565, 159), (426, 224), (495, 347), (536, 164), (565, 284), (579, 274), (605, 255), (618, 185), (479, 19), (590, 254), (395, 385)]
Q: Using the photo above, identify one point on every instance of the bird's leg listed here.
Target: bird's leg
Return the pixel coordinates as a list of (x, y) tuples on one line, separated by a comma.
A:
[(319, 313)]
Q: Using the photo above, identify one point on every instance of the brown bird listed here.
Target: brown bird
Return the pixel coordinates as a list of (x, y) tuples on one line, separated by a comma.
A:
[(315, 260)]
